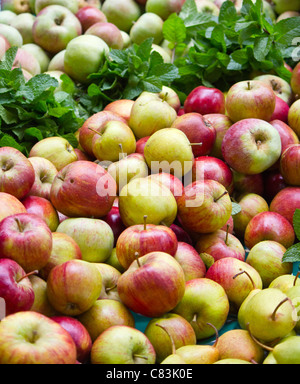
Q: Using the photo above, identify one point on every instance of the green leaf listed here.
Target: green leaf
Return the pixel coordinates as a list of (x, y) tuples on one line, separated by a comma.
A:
[(296, 223), (33, 132), (285, 31), (8, 141), (292, 254), (262, 45), (228, 14), (9, 58), (174, 29), (236, 208), (7, 116)]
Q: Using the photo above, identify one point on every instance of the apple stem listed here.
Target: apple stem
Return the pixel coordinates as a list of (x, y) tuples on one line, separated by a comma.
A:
[(121, 149), (266, 347), (27, 274), (165, 96), (279, 305), (98, 133), (20, 227), (170, 337), (217, 334), (145, 222), (249, 85), (196, 144), (140, 356), (111, 288), (137, 259), (296, 277), (223, 194), (240, 273), (227, 233)]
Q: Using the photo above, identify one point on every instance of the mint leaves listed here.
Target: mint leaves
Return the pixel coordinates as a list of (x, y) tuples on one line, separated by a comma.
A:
[(292, 254)]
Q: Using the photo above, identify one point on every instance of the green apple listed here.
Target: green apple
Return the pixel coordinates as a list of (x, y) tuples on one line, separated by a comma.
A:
[(6, 17), (285, 282), (39, 53), (23, 23), (72, 5), (41, 303), (121, 13), (110, 276), (164, 8), (148, 25), (84, 55), (126, 39), (206, 6), (57, 62), (144, 196), (281, 6), (13, 36), (16, 6)]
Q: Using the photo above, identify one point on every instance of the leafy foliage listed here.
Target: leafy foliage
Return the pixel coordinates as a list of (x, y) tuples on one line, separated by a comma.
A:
[(292, 254)]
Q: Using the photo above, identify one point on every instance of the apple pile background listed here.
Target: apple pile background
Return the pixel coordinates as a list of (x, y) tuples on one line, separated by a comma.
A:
[(95, 240)]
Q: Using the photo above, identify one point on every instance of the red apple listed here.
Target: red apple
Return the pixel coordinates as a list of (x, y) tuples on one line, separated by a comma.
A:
[(205, 100), (294, 117), (110, 276), (90, 15), (83, 189), (120, 107), (289, 165), (287, 135), (286, 202), (190, 261), (153, 284), (221, 123), (247, 183), (198, 130), (15, 287), (181, 234), (295, 80), (81, 155), (79, 334), (26, 239), (113, 219), (16, 172), (4, 45), (108, 32), (209, 167), (172, 182), (281, 110), (10, 205), (140, 144), (138, 240), (273, 183), (269, 226)]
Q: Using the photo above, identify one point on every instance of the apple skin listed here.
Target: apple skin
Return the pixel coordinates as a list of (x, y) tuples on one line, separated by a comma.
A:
[(247, 183), (117, 345), (190, 261), (201, 208), (120, 107), (216, 245), (204, 301), (269, 226), (104, 314), (172, 182), (122, 14), (148, 25), (79, 334), (273, 183), (46, 341), (113, 219), (15, 6), (143, 239), (250, 99), (90, 15), (71, 5), (170, 95), (73, 287), (198, 130), (86, 182), (10, 205), (64, 248), (26, 239), (164, 8), (205, 100), (289, 164), (110, 276), (281, 87), (45, 172), (16, 172), (295, 80), (209, 167), (140, 144), (39, 53), (237, 288), (23, 23), (251, 146), (281, 110), (286, 201), (180, 330), (58, 34), (266, 258), (27, 61), (4, 45), (293, 117), (12, 35), (282, 6), (181, 234), (15, 287), (44, 209), (108, 32), (41, 303), (153, 288)]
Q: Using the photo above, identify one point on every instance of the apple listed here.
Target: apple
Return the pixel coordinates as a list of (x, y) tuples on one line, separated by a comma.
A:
[(250, 99), (281, 6), (4, 45), (126, 39), (43, 341), (23, 23), (81, 155), (221, 244), (26, 239), (57, 62), (12, 35), (16, 6), (114, 262), (45, 172), (286, 201), (27, 61), (172, 182), (15, 287), (289, 161), (104, 314), (39, 53), (120, 344), (128, 168), (273, 183), (16, 172), (84, 55), (143, 121), (281, 87), (94, 237), (55, 149), (238, 279), (190, 261), (295, 79), (181, 234), (152, 285), (287, 15), (287, 135), (41, 303), (178, 328), (204, 302), (247, 183), (145, 197), (266, 258), (251, 146), (138, 240), (10, 205), (221, 123), (64, 248), (44, 209), (115, 139), (251, 204), (73, 287), (122, 14), (204, 206), (170, 96), (93, 124), (120, 107), (71, 5), (269, 226), (83, 189), (164, 8), (61, 26), (207, 6), (93, 3), (140, 144), (148, 25), (110, 276), (108, 32), (164, 53), (209, 167), (79, 334), (281, 110), (113, 219), (205, 100), (89, 15), (293, 117)]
